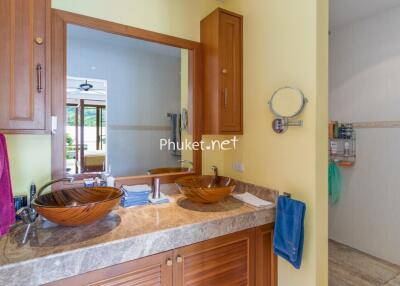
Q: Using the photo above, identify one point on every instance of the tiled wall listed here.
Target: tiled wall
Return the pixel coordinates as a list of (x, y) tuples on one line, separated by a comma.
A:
[(365, 88)]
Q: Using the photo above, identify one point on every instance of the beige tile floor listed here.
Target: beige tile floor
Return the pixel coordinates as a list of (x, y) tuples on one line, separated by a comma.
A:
[(350, 267)]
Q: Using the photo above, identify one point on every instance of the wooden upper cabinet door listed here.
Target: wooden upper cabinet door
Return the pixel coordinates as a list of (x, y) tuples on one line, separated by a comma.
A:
[(230, 50), (226, 260), (266, 261), (221, 35), (155, 270), (23, 64)]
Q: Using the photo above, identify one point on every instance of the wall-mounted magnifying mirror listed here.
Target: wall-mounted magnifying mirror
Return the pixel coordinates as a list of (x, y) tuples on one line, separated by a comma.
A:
[(286, 103)]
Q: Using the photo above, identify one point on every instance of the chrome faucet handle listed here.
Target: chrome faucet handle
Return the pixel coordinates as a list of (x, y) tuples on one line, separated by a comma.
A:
[(28, 215)]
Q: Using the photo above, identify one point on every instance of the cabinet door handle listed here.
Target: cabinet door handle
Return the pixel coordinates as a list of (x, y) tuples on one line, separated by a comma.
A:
[(169, 262), (39, 77), (225, 97), (39, 40), (179, 259)]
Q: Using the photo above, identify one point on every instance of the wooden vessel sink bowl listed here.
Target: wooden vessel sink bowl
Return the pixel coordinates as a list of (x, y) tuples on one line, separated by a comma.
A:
[(205, 189), (78, 206), (157, 171)]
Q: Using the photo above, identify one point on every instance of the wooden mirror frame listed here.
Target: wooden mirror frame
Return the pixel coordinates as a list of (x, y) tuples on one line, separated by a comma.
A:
[(60, 19)]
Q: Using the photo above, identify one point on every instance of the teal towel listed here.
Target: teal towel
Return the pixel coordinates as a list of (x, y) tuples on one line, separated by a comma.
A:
[(335, 182)]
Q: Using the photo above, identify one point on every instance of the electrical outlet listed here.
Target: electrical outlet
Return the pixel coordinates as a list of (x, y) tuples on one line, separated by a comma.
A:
[(238, 167)]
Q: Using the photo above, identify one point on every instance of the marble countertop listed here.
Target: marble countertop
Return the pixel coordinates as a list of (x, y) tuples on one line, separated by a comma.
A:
[(54, 252)]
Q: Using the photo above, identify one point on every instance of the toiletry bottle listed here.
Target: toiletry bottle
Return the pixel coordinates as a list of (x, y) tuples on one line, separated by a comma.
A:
[(330, 128), (346, 148), (156, 188), (110, 181), (110, 178), (334, 147), (88, 183), (335, 130), (104, 176)]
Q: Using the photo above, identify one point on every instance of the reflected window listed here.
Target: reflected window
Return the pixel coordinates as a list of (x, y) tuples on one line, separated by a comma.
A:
[(86, 128)]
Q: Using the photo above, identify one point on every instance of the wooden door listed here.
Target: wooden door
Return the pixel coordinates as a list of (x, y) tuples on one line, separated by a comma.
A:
[(155, 270), (23, 43), (230, 54), (266, 261), (226, 260)]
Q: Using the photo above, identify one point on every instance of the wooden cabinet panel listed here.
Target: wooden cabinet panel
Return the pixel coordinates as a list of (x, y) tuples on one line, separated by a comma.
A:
[(241, 258), (266, 261), (23, 58), (221, 36), (227, 260), (230, 63), (149, 271)]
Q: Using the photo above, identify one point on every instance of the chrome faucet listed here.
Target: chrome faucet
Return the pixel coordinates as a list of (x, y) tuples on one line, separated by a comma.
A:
[(215, 171), (190, 163), (40, 191), (215, 179), (29, 215)]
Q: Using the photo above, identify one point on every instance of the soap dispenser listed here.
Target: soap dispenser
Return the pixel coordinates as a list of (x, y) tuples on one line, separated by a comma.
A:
[(156, 188), (110, 179)]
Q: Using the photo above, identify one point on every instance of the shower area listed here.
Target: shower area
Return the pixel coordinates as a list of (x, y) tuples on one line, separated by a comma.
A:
[(364, 170)]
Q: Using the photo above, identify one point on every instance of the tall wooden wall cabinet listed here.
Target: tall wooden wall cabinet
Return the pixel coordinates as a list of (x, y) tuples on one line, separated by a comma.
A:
[(222, 40), (24, 65)]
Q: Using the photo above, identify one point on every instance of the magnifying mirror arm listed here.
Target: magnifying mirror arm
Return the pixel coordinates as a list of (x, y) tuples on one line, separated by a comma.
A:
[(293, 122)]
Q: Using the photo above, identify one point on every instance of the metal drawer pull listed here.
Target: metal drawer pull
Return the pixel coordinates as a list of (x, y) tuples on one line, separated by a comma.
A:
[(179, 259), (39, 77), (169, 262), (225, 97)]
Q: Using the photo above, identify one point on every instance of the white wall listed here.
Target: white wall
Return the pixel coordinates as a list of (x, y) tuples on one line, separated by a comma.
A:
[(143, 85), (365, 87)]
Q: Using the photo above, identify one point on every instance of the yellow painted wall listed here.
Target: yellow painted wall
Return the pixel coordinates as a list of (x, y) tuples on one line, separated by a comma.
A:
[(285, 43), (180, 18), (30, 161)]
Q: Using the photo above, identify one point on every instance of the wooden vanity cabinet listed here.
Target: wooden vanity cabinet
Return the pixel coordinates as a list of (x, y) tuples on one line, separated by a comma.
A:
[(24, 62), (241, 258), (226, 260), (148, 271), (266, 260), (222, 42)]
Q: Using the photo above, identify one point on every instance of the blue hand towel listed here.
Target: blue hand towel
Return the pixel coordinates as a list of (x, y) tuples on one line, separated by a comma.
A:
[(127, 204), (289, 230), (136, 195)]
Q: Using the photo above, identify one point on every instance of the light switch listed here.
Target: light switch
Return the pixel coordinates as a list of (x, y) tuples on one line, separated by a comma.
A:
[(238, 166)]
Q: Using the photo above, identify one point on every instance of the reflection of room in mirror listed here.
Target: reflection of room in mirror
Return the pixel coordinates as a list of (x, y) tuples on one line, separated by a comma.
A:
[(86, 125), (144, 83)]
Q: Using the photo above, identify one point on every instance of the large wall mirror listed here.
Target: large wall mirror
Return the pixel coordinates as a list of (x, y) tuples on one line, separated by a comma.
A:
[(128, 103)]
